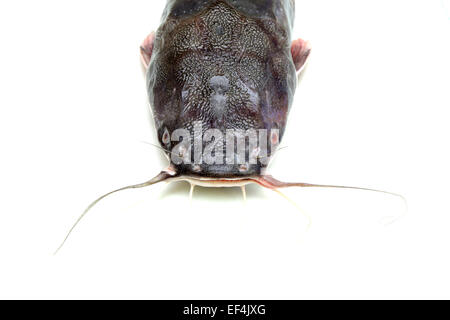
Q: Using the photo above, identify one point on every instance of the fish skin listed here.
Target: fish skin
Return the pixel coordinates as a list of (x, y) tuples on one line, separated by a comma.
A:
[(225, 64)]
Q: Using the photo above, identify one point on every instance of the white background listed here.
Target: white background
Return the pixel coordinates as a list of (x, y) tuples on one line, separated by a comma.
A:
[(372, 110)]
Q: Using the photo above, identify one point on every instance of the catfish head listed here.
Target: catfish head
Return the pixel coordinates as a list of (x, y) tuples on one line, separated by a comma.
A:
[(221, 83)]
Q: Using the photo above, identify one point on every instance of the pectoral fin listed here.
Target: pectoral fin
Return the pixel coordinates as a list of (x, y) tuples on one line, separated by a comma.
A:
[(300, 51), (147, 49)]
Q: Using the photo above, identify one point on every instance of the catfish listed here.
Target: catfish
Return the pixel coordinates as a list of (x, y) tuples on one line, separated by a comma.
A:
[(221, 77)]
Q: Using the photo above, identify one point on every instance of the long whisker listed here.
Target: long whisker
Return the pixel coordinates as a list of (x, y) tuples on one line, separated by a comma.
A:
[(159, 178), (271, 183)]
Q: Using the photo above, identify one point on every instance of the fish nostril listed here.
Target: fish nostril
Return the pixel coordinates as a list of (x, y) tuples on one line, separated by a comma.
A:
[(166, 137), (274, 138)]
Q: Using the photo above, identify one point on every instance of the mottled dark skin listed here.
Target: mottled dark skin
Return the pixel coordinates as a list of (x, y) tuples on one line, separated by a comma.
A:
[(227, 64)]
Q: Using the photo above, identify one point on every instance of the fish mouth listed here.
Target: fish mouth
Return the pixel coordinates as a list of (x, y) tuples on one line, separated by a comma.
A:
[(216, 182), (219, 172), (216, 176)]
